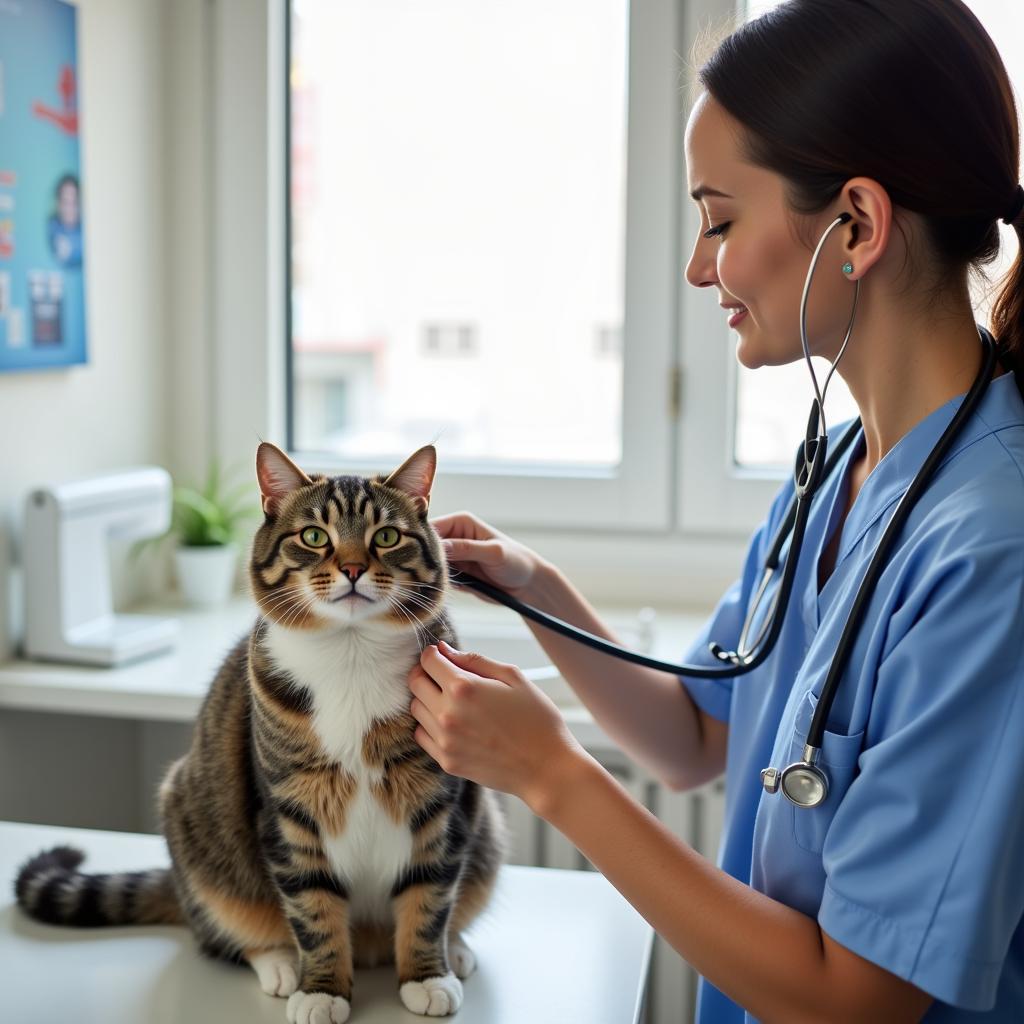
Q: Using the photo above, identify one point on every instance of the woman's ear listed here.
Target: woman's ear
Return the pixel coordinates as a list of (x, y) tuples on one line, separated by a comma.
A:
[(871, 224), (278, 476)]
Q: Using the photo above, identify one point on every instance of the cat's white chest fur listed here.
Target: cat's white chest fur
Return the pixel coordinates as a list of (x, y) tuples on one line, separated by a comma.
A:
[(355, 676)]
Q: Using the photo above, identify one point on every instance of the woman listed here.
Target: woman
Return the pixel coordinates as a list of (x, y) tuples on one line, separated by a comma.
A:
[(899, 898)]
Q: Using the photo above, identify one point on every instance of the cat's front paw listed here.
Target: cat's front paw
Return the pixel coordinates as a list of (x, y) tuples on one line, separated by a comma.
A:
[(433, 997), (461, 957), (317, 1008), (278, 971)]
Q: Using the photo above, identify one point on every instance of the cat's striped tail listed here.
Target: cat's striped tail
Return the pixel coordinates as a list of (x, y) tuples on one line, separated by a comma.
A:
[(50, 888)]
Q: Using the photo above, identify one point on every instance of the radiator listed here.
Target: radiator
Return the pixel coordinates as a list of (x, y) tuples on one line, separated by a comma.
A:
[(695, 817)]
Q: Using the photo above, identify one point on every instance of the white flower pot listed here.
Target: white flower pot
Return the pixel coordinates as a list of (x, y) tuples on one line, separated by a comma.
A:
[(206, 574)]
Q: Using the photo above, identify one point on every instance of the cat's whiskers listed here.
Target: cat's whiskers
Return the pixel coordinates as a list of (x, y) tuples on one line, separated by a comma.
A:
[(416, 625), (289, 605), (412, 595), (299, 610), (398, 604), (283, 595), (293, 594), (289, 612), (413, 589), (414, 622), (277, 601), (418, 584), (417, 601)]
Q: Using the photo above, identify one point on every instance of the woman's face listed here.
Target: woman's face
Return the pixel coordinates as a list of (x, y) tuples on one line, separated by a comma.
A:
[(757, 261)]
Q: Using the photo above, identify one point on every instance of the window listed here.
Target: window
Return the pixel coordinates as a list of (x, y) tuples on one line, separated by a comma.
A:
[(458, 220), (482, 213)]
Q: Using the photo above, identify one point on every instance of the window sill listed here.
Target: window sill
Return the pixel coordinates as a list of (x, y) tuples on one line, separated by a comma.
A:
[(171, 687)]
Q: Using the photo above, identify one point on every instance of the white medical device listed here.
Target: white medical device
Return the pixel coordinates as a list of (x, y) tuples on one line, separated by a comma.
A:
[(68, 605)]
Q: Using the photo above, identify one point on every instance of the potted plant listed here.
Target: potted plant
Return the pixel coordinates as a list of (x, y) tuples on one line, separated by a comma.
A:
[(206, 524)]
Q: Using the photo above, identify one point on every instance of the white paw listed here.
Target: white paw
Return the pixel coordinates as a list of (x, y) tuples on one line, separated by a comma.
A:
[(435, 997), (278, 971), (461, 957), (317, 1008)]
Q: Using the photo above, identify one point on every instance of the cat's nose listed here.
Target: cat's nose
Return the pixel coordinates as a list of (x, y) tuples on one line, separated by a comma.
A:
[(353, 570)]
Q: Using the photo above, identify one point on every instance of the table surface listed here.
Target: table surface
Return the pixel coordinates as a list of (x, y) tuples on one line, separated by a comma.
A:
[(554, 947)]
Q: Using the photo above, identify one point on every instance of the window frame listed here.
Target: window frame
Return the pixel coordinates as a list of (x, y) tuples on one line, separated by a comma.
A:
[(636, 494), (714, 493)]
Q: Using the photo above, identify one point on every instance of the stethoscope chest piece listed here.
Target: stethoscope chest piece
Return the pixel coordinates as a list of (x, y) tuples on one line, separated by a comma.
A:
[(802, 783)]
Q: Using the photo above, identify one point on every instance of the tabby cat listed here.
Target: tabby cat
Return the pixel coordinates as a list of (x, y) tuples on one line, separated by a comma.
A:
[(308, 831)]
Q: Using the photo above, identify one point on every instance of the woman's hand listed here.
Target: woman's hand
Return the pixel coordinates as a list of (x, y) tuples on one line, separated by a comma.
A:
[(472, 545), (485, 721)]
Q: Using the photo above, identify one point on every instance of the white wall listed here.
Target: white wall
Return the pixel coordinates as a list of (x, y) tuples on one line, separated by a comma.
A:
[(111, 412), (188, 126)]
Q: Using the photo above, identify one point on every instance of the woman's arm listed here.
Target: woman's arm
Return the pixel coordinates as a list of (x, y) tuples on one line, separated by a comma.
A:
[(485, 721), (765, 956), (648, 713)]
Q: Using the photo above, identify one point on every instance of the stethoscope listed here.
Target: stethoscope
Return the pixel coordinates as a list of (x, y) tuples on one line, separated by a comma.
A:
[(804, 782)]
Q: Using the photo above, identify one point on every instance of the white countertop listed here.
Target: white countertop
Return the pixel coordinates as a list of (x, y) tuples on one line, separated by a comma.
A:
[(554, 947), (167, 687)]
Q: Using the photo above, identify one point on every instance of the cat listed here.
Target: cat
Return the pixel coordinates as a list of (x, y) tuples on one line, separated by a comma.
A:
[(308, 830)]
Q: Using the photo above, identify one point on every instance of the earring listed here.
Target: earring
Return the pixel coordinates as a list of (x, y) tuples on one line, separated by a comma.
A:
[(847, 268)]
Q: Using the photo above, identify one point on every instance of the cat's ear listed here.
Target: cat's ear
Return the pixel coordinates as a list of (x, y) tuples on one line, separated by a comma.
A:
[(277, 475), (415, 476)]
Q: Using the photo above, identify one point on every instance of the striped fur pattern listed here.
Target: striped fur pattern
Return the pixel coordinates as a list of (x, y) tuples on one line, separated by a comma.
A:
[(309, 833)]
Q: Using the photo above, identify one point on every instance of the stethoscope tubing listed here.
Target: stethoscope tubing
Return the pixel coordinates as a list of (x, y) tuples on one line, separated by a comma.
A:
[(904, 507), (794, 523), (804, 783)]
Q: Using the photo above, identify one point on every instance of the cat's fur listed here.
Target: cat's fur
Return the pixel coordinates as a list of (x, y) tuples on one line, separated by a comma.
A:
[(307, 829)]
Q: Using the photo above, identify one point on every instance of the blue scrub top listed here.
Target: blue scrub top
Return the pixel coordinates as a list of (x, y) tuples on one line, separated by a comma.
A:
[(916, 859)]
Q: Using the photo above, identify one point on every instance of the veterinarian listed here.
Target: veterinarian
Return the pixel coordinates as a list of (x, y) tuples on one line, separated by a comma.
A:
[(852, 161)]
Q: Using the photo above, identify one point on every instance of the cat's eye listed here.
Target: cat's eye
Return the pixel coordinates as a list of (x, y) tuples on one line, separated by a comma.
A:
[(314, 537), (386, 537)]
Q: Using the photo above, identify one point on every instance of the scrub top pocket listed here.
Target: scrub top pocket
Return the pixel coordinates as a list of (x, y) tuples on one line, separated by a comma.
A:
[(838, 757)]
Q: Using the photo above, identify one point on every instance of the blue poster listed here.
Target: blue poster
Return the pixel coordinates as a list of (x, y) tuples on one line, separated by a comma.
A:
[(42, 291)]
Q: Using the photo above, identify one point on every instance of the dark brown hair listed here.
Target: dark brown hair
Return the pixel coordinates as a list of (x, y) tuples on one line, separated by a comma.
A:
[(912, 94)]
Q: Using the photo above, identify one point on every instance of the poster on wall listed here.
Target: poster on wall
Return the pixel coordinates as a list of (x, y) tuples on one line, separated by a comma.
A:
[(42, 288)]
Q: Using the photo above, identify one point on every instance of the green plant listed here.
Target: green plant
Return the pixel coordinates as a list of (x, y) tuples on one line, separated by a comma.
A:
[(212, 516), (209, 517)]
